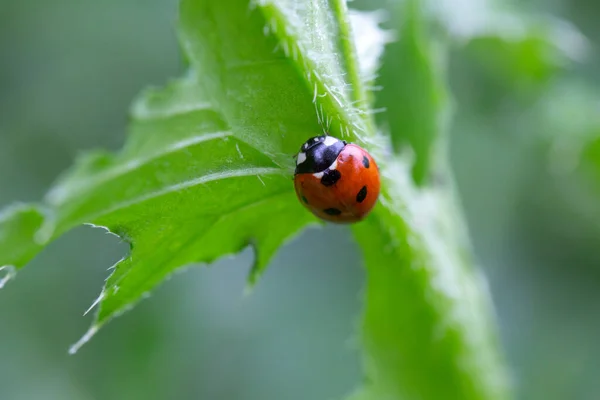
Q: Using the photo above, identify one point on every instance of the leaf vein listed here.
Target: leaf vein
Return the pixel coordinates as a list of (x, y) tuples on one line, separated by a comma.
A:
[(188, 184), (60, 194)]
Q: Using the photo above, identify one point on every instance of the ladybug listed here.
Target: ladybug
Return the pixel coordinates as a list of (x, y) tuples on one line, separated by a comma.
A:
[(337, 181)]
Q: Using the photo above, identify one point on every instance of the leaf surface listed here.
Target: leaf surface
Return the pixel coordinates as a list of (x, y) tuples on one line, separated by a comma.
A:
[(207, 168)]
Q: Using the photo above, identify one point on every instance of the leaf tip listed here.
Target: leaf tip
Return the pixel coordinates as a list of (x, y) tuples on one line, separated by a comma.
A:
[(7, 272), (84, 339), (95, 303), (249, 289), (255, 271)]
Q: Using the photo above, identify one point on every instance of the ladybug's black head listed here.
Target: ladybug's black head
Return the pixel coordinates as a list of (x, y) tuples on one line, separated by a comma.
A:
[(318, 153)]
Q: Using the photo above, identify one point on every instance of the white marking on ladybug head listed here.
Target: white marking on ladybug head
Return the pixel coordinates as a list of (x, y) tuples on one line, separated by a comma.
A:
[(315, 139), (319, 175), (301, 158), (333, 165), (329, 141)]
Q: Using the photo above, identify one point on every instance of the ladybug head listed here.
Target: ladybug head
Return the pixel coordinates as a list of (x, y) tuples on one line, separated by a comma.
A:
[(318, 153)]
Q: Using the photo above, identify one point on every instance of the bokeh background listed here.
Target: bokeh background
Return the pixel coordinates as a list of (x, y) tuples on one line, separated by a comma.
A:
[(525, 148)]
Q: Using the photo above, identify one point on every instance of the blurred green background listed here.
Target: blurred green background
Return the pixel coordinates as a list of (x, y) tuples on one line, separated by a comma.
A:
[(525, 146)]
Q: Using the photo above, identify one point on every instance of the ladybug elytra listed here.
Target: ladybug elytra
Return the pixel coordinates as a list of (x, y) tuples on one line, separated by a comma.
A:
[(337, 181)]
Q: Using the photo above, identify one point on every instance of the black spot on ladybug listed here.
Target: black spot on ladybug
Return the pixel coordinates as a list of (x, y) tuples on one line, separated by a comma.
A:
[(330, 177), (332, 211), (362, 194), (304, 199), (366, 162)]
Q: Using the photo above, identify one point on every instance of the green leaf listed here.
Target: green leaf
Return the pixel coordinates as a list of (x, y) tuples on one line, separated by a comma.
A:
[(184, 189), (427, 329), (207, 168), (413, 95), (415, 246)]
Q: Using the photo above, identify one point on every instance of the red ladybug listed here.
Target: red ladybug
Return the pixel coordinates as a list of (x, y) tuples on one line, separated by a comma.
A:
[(336, 181)]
